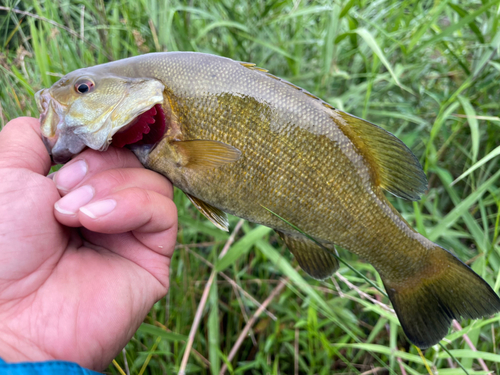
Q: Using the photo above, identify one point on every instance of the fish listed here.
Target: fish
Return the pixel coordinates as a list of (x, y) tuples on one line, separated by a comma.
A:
[(239, 140)]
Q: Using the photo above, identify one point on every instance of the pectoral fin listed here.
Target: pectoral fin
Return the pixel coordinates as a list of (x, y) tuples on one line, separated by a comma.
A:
[(313, 259), (216, 216), (204, 153)]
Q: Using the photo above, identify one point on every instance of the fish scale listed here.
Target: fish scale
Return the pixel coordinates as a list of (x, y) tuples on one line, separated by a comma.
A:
[(239, 139), (302, 171)]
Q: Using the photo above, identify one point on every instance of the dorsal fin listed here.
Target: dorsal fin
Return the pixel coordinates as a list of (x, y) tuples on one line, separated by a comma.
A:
[(396, 169), (252, 66)]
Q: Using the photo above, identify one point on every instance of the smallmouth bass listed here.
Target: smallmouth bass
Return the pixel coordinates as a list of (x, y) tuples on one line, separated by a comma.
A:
[(236, 139)]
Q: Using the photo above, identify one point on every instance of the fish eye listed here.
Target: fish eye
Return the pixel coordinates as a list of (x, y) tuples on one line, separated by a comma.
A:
[(84, 86)]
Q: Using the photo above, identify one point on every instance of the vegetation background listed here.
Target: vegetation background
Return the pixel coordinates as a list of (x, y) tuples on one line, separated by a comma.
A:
[(428, 71)]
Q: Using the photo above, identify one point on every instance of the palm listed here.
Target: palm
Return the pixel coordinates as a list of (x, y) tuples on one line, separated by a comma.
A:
[(77, 293)]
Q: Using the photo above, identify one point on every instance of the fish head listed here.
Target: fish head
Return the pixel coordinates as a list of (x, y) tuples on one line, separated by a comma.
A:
[(86, 108)]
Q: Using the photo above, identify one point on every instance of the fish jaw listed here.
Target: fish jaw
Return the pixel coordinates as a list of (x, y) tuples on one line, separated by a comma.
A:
[(60, 143), (67, 129)]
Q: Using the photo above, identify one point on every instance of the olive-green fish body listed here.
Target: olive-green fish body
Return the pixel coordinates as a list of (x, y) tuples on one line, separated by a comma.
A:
[(295, 160), (239, 140)]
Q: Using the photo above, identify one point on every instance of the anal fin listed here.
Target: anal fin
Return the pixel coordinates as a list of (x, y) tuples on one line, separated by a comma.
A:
[(313, 259), (216, 216)]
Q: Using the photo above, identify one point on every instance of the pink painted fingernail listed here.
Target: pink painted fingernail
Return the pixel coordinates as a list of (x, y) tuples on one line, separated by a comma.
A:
[(71, 203), (99, 208), (70, 176)]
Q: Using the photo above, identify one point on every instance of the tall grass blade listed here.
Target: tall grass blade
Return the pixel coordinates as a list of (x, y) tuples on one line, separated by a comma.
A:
[(372, 43), (465, 20), (491, 155), (241, 247), (473, 123), (462, 208)]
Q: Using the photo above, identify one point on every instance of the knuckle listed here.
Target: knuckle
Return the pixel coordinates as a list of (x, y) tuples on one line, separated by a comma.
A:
[(140, 197), (147, 198), (121, 158), (112, 180)]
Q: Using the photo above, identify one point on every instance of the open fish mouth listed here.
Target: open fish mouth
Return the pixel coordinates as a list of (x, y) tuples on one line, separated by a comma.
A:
[(146, 129)]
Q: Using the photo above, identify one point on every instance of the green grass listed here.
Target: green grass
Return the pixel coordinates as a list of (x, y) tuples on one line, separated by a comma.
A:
[(426, 71)]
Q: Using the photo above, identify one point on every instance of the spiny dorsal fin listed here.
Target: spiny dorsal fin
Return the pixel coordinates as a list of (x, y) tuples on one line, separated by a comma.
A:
[(314, 260), (396, 169), (204, 153), (252, 66), (216, 216), (266, 72)]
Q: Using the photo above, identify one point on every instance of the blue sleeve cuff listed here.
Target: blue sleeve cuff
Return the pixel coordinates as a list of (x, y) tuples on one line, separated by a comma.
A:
[(44, 368)]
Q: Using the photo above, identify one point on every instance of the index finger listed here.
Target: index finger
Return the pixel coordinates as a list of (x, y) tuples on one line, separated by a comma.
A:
[(21, 146), (91, 162)]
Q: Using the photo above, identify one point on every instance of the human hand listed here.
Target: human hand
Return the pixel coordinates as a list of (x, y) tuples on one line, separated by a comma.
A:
[(76, 282)]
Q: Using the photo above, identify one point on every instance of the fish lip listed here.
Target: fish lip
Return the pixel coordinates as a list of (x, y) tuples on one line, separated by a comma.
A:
[(41, 104), (61, 143), (61, 158)]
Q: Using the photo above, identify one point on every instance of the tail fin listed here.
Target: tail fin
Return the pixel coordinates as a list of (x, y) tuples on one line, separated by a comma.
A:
[(427, 303)]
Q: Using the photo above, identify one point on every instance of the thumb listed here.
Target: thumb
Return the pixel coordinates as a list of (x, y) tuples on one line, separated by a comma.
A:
[(21, 146)]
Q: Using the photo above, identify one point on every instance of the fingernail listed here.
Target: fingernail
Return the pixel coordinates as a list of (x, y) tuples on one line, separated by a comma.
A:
[(70, 176), (70, 203), (98, 209)]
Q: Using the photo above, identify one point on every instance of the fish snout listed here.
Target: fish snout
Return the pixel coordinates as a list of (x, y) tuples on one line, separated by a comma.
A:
[(64, 146), (49, 113), (61, 157), (57, 155), (61, 143)]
